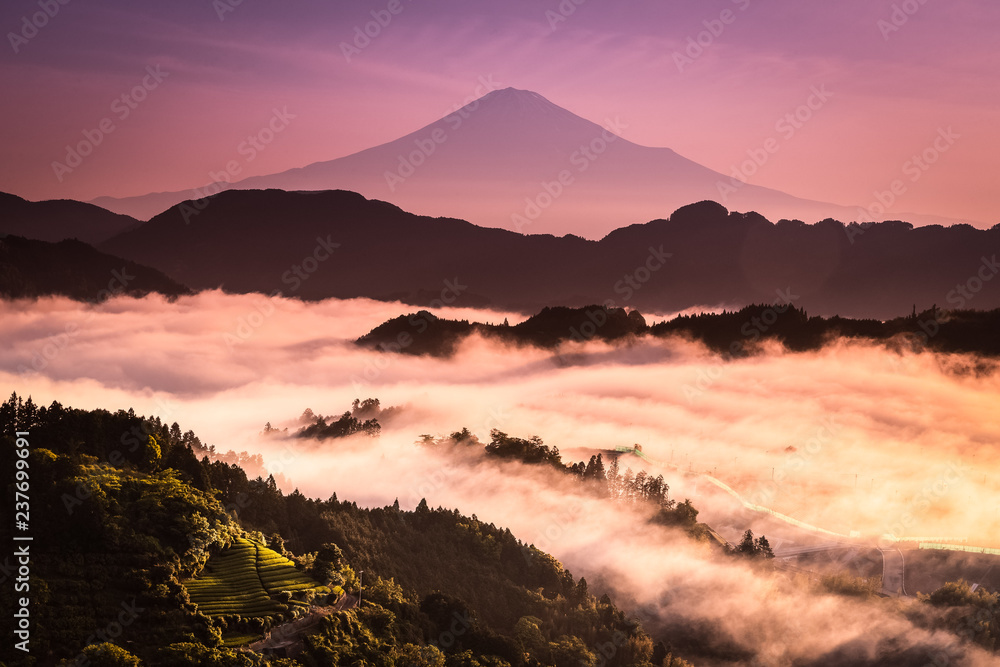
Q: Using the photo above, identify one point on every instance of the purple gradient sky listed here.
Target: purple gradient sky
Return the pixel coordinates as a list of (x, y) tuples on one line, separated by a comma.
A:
[(941, 69)]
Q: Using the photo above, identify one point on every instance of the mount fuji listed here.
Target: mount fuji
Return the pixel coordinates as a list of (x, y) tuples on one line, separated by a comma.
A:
[(514, 160)]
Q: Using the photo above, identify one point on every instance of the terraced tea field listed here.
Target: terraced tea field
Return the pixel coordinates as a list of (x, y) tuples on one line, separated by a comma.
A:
[(246, 579)]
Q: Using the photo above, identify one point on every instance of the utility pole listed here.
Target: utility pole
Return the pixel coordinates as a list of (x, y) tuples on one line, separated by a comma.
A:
[(361, 585)]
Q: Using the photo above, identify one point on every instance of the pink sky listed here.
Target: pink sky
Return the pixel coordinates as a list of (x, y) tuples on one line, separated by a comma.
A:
[(892, 92)]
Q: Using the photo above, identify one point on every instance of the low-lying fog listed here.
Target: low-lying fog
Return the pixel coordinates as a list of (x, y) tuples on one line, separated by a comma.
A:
[(850, 438)]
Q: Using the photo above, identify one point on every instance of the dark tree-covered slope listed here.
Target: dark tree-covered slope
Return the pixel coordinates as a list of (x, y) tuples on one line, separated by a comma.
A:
[(59, 219), (338, 244), (126, 512), (72, 268), (732, 333)]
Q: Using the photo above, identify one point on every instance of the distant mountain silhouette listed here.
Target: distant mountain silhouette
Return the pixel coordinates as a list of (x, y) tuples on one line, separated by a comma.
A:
[(514, 160), (30, 268), (732, 333), (58, 219), (271, 241), (425, 333)]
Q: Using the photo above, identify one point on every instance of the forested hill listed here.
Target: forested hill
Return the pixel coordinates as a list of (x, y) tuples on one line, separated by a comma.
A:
[(703, 254), (145, 551), (732, 333), (59, 219), (72, 268), (125, 513)]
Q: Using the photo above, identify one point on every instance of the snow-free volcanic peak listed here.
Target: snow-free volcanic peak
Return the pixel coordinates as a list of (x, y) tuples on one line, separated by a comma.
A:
[(514, 159)]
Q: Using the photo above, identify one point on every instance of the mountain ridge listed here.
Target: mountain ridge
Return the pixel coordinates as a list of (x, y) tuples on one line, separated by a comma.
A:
[(55, 220), (30, 269), (512, 159), (703, 255), (731, 334)]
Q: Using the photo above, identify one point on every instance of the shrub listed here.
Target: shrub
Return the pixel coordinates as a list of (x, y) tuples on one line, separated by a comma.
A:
[(109, 655)]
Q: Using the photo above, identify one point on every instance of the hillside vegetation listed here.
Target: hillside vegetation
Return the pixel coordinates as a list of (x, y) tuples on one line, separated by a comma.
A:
[(703, 254), (147, 559), (150, 555), (735, 333), (71, 268), (246, 579)]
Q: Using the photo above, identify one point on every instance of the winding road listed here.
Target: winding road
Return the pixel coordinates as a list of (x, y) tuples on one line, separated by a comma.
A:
[(892, 573), (893, 583), (290, 632)]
